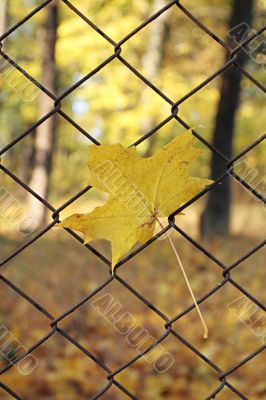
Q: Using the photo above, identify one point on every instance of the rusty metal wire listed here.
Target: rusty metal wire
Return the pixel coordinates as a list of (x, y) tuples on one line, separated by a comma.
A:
[(226, 279)]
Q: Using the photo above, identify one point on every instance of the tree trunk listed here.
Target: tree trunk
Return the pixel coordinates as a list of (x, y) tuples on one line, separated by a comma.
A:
[(152, 62), (3, 16), (215, 220), (45, 134), (3, 23)]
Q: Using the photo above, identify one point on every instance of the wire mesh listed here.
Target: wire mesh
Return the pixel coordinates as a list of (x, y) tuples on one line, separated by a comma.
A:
[(226, 279)]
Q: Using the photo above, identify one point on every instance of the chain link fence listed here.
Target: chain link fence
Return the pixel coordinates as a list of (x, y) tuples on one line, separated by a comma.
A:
[(226, 279)]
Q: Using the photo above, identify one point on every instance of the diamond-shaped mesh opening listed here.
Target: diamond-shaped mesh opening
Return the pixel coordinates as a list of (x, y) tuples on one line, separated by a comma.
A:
[(248, 230), (39, 378), (51, 277), (253, 369), (120, 318), (228, 330), (161, 366), (168, 291), (175, 80), (200, 110), (82, 36), (115, 106)]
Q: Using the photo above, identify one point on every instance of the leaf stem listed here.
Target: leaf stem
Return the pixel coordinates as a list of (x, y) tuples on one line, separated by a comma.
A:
[(206, 331)]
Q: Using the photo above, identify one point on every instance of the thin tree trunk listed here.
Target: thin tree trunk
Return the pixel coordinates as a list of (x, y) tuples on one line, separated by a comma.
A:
[(3, 16), (3, 23), (152, 62), (215, 220), (45, 134)]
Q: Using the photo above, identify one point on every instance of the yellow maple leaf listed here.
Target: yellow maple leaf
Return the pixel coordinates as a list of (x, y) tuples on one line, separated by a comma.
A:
[(141, 191)]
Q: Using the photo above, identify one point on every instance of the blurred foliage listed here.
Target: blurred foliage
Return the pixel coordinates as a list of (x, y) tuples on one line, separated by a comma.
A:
[(115, 106), (58, 282)]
